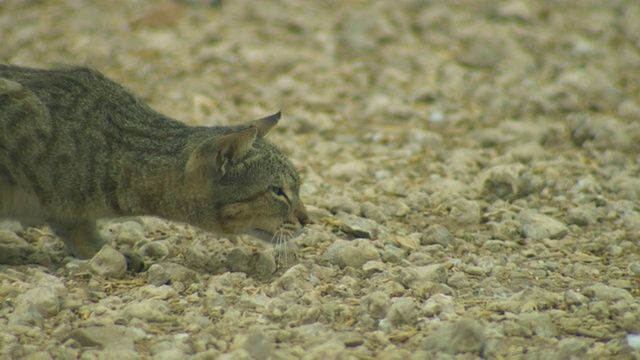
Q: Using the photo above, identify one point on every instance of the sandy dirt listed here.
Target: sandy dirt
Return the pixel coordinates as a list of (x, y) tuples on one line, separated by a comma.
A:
[(471, 168)]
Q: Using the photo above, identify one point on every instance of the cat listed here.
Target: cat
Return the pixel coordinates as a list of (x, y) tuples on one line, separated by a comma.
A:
[(76, 146)]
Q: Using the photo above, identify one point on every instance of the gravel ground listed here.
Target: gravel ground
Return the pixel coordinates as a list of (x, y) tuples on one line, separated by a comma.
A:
[(471, 168)]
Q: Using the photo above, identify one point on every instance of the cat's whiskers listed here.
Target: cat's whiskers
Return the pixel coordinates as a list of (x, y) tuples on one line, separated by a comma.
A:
[(281, 240)]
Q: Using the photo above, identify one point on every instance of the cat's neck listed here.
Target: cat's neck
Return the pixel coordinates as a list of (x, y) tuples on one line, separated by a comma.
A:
[(155, 184)]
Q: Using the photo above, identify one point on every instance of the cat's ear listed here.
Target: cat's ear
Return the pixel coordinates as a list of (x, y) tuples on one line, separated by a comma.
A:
[(215, 155), (233, 147), (265, 124)]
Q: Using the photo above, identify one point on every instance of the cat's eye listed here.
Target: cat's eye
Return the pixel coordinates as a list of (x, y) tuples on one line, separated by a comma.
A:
[(278, 191)]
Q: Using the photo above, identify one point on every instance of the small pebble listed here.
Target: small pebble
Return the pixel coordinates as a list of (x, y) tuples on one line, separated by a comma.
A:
[(573, 298), (156, 250), (354, 253), (416, 276), (109, 263), (357, 226), (606, 293), (465, 212), (508, 182), (538, 226), (373, 267), (351, 338), (376, 304), (104, 335), (393, 254), (151, 310), (463, 336), (582, 215), (402, 311), (130, 233), (572, 349), (258, 344), (157, 275), (541, 324), (437, 234), (250, 261)]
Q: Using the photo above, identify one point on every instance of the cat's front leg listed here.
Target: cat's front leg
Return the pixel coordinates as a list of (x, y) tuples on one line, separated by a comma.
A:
[(79, 236), (83, 241)]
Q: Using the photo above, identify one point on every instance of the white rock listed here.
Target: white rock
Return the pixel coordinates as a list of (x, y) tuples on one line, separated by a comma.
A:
[(157, 250), (157, 275), (153, 224), (572, 348), (582, 215), (633, 340), (537, 226), (358, 227), (9, 237), (11, 225), (464, 336), (593, 86), (465, 212), (437, 234), (416, 276), (162, 292), (174, 353), (46, 300), (573, 298), (508, 182), (606, 292), (200, 256), (540, 323), (249, 261), (402, 311), (151, 310), (376, 304), (227, 282), (256, 343), (351, 253), (297, 279), (438, 304), (130, 232), (14, 250), (373, 267), (601, 132), (338, 203), (105, 335), (346, 171), (109, 263), (334, 349)]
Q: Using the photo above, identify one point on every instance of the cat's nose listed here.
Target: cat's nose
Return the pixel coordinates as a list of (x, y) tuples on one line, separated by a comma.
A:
[(303, 218)]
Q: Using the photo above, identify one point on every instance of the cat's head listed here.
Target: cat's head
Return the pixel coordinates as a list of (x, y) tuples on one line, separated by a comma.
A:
[(249, 186)]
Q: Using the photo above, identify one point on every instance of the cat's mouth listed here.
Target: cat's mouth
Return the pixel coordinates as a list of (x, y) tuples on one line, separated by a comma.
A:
[(263, 235), (278, 237)]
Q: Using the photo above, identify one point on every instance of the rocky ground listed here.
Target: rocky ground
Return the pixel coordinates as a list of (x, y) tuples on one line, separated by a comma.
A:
[(471, 168)]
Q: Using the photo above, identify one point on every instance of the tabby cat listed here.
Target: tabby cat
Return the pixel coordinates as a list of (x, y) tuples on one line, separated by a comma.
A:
[(76, 146)]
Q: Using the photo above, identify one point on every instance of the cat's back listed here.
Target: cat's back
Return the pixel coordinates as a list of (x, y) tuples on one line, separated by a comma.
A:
[(64, 132), (77, 99), (67, 88), (32, 100), (59, 80)]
